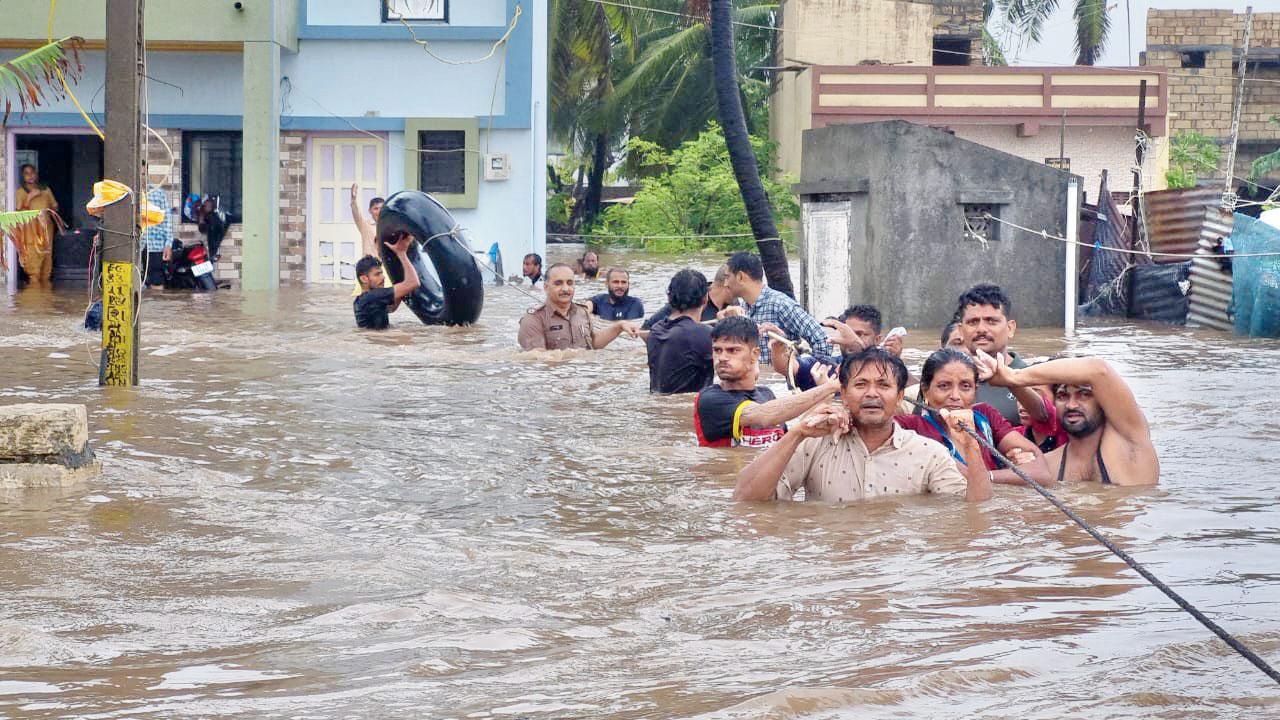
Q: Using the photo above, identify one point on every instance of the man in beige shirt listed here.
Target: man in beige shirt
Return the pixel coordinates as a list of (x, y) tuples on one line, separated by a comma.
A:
[(856, 451), (562, 324)]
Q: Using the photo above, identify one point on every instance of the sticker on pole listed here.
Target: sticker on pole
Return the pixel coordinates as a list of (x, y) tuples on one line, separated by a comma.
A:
[(117, 324)]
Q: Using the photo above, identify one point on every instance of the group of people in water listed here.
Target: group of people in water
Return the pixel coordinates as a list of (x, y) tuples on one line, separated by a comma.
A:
[(857, 424)]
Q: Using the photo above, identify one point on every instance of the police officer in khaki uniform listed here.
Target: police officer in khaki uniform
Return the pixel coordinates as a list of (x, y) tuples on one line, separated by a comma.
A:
[(560, 323)]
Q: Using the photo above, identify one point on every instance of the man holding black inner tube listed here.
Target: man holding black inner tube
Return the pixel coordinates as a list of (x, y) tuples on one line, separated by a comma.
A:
[(375, 302)]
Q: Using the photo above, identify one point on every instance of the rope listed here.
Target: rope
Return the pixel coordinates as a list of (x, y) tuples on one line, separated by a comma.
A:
[(502, 41), (660, 237), (1137, 567), (1045, 234)]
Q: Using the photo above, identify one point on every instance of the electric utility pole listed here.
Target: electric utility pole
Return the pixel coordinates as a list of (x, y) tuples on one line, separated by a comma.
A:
[(120, 281)]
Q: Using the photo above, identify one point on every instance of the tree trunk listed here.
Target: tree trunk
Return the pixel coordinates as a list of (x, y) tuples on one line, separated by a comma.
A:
[(595, 181), (743, 157)]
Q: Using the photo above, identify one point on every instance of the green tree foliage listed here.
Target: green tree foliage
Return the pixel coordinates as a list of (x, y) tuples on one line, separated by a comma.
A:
[(1092, 23), (666, 94), (1268, 163), (692, 191), (1190, 153)]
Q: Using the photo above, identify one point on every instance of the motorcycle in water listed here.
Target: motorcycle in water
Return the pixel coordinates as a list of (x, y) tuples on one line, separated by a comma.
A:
[(190, 269)]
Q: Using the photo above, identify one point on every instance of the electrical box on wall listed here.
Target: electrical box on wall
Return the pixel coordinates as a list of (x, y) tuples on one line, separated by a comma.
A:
[(497, 166)]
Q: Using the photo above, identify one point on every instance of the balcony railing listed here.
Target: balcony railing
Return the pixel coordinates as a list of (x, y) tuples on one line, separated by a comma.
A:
[(1026, 96)]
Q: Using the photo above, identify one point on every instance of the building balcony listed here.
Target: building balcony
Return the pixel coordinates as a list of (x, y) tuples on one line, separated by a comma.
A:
[(1028, 97)]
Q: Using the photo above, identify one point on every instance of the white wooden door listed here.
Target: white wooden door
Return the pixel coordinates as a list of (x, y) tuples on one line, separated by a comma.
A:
[(336, 163)]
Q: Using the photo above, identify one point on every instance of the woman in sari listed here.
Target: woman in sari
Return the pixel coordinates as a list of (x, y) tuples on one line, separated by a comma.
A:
[(35, 239)]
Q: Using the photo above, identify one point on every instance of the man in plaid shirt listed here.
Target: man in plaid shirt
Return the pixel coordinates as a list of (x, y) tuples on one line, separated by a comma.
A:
[(769, 307), (158, 239)]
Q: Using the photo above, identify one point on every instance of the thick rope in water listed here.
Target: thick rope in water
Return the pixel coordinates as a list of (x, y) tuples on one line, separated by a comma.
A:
[(1181, 602)]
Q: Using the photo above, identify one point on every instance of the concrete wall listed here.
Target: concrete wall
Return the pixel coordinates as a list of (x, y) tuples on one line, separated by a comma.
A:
[(1091, 149), (909, 255), (352, 78), (166, 21), (839, 32)]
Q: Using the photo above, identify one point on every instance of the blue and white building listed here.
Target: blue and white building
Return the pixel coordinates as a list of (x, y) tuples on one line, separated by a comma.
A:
[(276, 107)]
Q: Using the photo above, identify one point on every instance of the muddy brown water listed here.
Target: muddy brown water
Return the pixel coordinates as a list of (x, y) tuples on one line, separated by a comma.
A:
[(300, 520)]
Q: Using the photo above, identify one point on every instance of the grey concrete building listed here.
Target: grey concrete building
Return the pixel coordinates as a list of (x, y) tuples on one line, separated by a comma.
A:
[(894, 215)]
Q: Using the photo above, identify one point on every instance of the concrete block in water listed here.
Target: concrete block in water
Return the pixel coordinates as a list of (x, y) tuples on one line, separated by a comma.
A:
[(44, 445)]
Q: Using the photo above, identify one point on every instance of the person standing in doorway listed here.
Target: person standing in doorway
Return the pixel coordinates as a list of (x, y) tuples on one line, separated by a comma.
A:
[(35, 240), (158, 239)]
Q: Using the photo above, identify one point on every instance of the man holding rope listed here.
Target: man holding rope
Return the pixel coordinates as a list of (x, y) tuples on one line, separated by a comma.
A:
[(1110, 441), (737, 411), (857, 452), (562, 324)]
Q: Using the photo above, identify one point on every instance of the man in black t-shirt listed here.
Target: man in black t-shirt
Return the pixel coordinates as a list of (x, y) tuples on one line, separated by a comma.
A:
[(618, 303), (718, 298), (737, 411), (376, 302), (679, 346)]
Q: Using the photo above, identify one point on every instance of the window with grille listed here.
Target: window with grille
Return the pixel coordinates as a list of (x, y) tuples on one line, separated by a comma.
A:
[(415, 10), (211, 166), (442, 167), (977, 225)]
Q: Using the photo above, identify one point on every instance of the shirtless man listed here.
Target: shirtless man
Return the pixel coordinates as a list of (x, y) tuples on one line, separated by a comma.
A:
[(1110, 441)]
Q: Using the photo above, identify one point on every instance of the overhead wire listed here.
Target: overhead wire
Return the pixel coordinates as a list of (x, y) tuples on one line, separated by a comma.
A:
[(1145, 253)]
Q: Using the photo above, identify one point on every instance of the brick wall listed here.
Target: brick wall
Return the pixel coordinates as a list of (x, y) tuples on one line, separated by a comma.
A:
[(1202, 100), (960, 18), (293, 208), (293, 222)]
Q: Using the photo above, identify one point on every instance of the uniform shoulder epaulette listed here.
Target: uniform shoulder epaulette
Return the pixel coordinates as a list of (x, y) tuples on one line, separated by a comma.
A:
[(534, 310)]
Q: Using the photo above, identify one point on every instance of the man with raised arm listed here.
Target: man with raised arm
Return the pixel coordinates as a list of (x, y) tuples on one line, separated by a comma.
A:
[(562, 324), (375, 302), (1109, 439), (737, 411), (857, 452)]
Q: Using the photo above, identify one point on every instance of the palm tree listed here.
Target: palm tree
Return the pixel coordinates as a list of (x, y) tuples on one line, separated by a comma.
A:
[(585, 39), (667, 94), (34, 78), (741, 155), (1092, 18)]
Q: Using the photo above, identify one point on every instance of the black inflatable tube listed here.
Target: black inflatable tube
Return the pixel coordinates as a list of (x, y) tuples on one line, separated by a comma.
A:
[(459, 296)]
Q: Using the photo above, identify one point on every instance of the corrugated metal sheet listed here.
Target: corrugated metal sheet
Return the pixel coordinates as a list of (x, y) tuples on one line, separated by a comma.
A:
[(1175, 219), (1210, 284)]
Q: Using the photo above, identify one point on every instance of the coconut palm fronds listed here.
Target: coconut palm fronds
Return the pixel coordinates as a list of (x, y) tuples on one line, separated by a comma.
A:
[(11, 221), (37, 76)]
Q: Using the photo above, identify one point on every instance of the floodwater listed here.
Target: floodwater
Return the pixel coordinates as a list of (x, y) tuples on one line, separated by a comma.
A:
[(299, 520)]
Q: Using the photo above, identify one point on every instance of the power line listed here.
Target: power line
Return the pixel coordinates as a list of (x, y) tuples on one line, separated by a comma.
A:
[(1145, 253)]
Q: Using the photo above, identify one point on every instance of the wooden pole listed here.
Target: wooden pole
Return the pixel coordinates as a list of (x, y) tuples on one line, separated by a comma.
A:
[(1135, 228), (120, 281), (1228, 196)]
